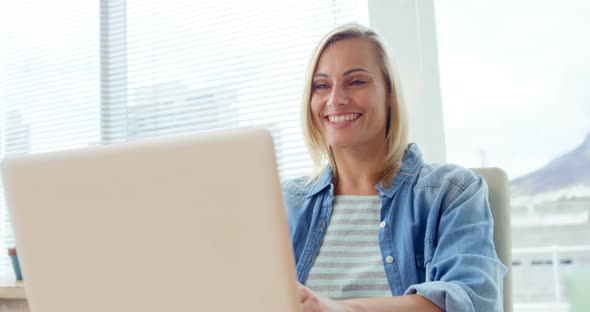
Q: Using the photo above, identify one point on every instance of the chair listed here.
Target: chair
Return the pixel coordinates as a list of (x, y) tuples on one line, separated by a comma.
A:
[(499, 197)]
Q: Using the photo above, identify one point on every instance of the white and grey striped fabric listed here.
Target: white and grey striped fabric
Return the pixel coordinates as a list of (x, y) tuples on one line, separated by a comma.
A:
[(349, 263)]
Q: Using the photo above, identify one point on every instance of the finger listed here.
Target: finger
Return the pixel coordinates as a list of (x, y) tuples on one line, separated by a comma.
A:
[(304, 292), (311, 304)]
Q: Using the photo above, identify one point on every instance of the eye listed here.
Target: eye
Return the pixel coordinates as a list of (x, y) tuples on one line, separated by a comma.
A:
[(319, 86), (358, 82)]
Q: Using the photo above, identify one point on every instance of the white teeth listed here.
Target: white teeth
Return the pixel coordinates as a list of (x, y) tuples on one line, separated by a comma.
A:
[(342, 118)]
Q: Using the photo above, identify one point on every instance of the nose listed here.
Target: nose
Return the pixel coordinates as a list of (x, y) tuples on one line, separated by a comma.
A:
[(338, 97)]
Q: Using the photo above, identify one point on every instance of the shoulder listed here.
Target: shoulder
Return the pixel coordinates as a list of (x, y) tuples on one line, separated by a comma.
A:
[(450, 182), (296, 186), (295, 190), (422, 175), (440, 175)]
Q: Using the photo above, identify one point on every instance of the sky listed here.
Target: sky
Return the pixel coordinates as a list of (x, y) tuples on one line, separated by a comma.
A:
[(514, 78)]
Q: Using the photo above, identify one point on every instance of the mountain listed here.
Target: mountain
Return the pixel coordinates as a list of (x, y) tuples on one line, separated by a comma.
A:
[(569, 170)]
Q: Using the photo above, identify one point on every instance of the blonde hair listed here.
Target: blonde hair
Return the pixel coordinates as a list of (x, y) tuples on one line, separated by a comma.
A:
[(397, 123)]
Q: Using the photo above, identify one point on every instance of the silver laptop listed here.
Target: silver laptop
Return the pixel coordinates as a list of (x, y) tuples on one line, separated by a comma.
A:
[(193, 223)]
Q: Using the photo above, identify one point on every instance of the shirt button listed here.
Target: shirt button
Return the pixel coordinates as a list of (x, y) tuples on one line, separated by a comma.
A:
[(382, 224), (389, 259), (307, 259), (322, 224)]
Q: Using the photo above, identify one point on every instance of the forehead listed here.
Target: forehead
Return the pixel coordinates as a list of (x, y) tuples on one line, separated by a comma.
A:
[(348, 53)]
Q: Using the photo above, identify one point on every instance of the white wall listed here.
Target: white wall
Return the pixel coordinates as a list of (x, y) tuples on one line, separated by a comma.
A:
[(408, 26)]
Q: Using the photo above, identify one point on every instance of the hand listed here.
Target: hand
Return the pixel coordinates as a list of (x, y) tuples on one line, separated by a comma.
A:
[(312, 302)]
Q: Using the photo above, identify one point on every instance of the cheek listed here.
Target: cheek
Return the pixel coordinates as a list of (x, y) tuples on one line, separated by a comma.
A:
[(316, 109), (381, 100), (380, 108), (314, 103)]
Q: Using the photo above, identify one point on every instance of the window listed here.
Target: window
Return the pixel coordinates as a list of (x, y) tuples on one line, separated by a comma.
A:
[(50, 73), (76, 73), (513, 77)]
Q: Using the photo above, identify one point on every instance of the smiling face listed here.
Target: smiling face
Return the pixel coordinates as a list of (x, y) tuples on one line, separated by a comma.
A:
[(349, 96)]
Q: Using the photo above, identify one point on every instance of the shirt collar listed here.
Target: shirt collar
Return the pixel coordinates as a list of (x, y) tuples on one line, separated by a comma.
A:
[(411, 163), (323, 182)]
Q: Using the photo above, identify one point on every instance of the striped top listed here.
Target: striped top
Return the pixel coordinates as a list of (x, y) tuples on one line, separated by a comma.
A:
[(349, 262)]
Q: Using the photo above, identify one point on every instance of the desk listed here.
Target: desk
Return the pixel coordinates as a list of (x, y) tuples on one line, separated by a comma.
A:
[(12, 295)]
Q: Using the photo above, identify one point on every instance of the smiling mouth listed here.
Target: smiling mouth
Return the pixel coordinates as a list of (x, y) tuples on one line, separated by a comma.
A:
[(341, 119)]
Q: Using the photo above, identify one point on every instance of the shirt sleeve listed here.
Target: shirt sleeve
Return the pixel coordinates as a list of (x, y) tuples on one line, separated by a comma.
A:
[(463, 272)]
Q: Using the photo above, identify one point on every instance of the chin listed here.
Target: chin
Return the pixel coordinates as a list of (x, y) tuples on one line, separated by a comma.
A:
[(341, 144)]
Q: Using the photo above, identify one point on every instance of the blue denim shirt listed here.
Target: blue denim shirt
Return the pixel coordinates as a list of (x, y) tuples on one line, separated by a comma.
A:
[(439, 233)]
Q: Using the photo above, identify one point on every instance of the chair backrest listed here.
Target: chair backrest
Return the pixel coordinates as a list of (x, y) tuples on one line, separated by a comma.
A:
[(499, 197)]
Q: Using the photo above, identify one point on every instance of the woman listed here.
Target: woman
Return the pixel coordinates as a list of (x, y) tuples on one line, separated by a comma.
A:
[(375, 228)]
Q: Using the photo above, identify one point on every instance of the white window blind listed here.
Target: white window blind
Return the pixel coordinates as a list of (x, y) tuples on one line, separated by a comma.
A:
[(78, 73)]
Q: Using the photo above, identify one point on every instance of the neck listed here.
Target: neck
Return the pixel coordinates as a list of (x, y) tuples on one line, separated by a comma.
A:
[(358, 170)]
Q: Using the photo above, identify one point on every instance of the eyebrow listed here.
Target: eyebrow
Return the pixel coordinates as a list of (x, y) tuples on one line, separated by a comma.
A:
[(348, 72)]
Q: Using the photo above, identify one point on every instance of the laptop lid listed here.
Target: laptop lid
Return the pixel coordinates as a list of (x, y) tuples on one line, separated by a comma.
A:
[(192, 223)]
